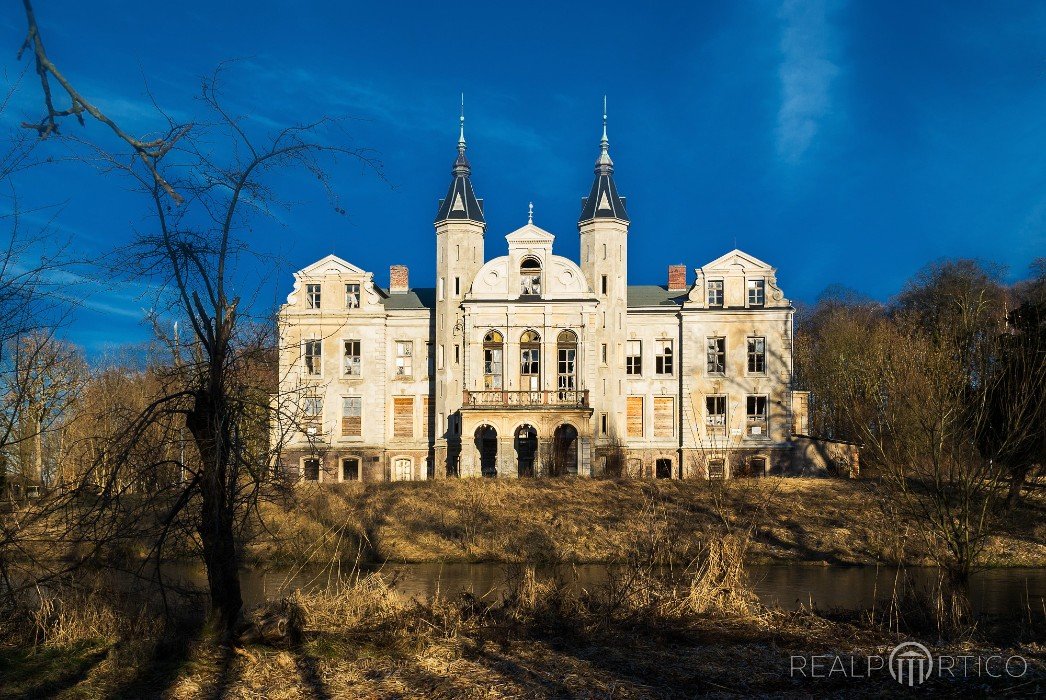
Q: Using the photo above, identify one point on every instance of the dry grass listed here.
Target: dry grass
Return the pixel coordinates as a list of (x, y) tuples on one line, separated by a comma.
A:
[(582, 521), (638, 637)]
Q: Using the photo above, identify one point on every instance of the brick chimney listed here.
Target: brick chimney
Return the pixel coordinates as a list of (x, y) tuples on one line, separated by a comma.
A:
[(398, 282), (677, 278)]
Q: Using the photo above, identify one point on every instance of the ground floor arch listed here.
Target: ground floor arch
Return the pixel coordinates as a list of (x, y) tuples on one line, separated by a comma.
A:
[(487, 446), (526, 444), (565, 451)]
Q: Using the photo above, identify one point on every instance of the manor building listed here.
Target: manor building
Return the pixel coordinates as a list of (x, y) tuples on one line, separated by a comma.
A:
[(533, 364)]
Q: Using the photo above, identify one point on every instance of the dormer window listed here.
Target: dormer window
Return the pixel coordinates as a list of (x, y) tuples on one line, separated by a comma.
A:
[(715, 292), (312, 296), (530, 277), (352, 296), (756, 292)]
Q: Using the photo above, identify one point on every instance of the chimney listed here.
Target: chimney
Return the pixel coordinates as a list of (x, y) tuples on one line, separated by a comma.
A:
[(398, 279), (677, 278)]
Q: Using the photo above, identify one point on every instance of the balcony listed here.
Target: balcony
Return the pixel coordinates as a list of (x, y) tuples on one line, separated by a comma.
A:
[(565, 398)]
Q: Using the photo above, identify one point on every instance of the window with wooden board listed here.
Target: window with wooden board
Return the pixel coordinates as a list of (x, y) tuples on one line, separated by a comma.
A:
[(664, 416), (403, 416), (635, 416)]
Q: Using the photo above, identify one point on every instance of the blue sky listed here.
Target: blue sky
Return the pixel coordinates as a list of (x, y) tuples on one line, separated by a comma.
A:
[(841, 142)]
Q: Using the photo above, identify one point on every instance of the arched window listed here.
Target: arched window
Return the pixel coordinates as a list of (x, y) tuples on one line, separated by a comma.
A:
[(402, 469), (566, 351), (530, 277), (530, 361), (493, 360)]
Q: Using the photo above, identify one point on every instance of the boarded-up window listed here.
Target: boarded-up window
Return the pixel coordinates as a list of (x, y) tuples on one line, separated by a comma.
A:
[(425, 422), (635, 416), (664, 416), (352, 416), (403, 416)]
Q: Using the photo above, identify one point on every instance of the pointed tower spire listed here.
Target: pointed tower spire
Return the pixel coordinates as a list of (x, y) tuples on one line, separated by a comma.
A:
[(603, 201), (460, 202)]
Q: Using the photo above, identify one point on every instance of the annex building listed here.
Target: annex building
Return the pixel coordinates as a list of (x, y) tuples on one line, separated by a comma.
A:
[(532, 364)]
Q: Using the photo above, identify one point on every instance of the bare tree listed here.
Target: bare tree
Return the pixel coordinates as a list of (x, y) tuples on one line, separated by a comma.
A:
[(205, 182)]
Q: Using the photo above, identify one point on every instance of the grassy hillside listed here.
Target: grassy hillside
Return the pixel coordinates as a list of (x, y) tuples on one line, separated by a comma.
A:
[(582, 520)]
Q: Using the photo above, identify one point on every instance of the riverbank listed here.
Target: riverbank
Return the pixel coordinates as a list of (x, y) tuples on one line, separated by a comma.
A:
[(804, 521), (636, 637)]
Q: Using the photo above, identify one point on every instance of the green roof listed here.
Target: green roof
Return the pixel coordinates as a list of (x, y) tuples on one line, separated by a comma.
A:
[(654, 295)]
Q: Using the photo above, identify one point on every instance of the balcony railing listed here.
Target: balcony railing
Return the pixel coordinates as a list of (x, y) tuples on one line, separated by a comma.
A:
[(560, 398)]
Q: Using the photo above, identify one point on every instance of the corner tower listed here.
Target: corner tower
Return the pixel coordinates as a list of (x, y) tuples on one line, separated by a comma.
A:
[(459, 256), (603, 226)]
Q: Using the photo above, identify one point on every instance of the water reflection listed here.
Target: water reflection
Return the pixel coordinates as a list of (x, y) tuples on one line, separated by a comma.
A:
[(994, 591)]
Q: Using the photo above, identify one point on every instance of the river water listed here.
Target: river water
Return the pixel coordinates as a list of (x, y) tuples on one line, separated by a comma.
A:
[(995, 591)]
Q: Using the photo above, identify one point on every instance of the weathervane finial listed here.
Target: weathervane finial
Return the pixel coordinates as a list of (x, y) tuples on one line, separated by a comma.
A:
[(604, 163), (605, 119), (530, 214), (461, 138)]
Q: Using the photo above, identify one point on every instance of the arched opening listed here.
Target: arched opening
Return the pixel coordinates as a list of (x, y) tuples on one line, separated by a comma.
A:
[(530, 361), (493, 360), (564, 450), (526, 449), (402, 469), (350, 469), (530, 277), (566, 366), (487, 445)]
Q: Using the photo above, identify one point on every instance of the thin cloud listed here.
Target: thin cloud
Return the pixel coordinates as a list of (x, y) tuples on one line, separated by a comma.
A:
[(806, 74)]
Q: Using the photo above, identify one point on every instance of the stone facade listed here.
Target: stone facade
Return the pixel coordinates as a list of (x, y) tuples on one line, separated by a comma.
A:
[(531, 364)]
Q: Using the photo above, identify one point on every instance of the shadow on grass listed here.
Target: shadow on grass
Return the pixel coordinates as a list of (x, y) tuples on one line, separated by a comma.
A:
[(48, 671)]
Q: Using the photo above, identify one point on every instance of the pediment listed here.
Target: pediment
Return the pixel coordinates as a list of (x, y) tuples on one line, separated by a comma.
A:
[(530, 234), (331, 265), (737, 259)]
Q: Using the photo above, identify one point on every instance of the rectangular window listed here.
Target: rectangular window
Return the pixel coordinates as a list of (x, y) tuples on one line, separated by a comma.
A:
[(756, 410), (634, 416), (352, 416), (403, 416), (314, 358), (716, 356), (352, 362), (404, 358), (603, 353), (603, 283), (566, 361), (530, 369), (312, 296), (663, 357), (757, 355), (603, 420), (352, 296), (715, 292), (457, 286), (664, 416), (457, 354), (716, 469), (492, 366), (311, 470), (312, 407), (715, 413), (634, 357), (426, 424), (756, 292)]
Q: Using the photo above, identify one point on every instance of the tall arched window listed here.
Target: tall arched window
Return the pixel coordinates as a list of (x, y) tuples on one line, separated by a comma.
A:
[(530, 361), (493, 360), (530, 277), (566, 351)]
